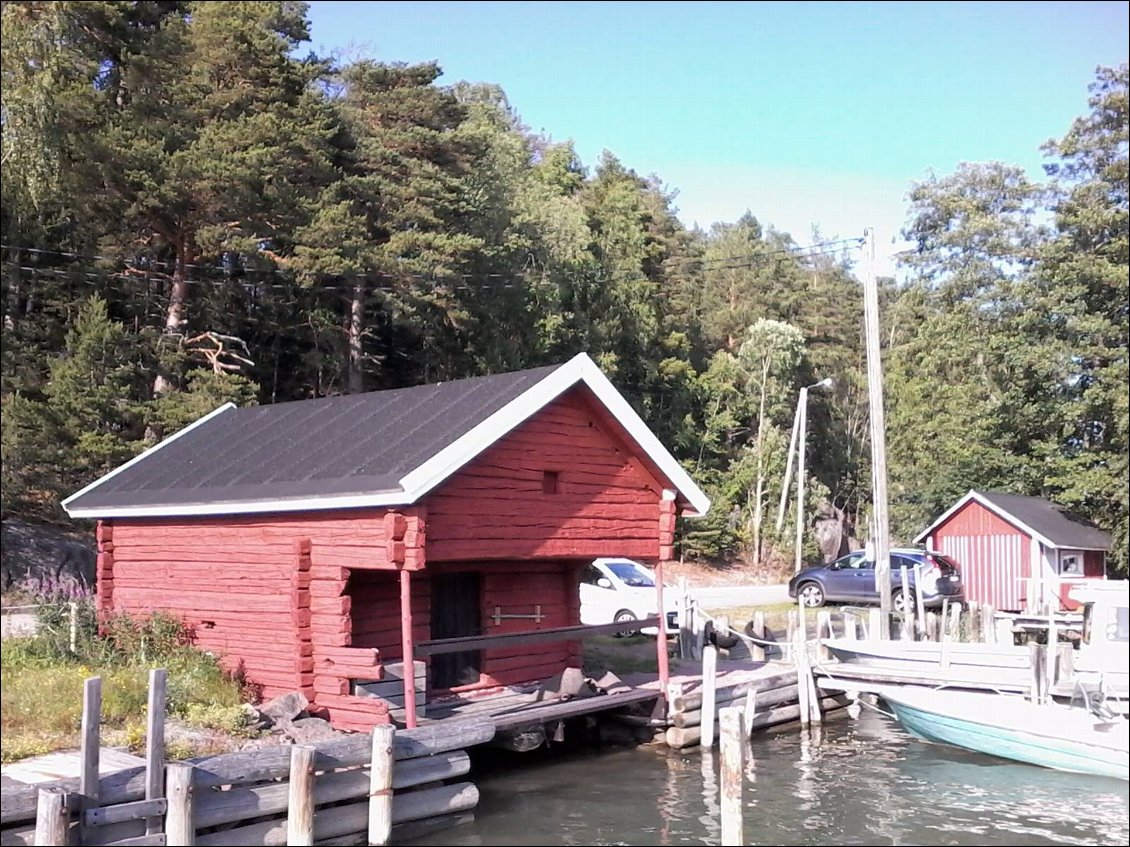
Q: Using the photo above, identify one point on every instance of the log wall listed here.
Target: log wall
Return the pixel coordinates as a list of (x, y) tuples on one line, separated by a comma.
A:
[(246, 585), (515, 587), (598, 500)]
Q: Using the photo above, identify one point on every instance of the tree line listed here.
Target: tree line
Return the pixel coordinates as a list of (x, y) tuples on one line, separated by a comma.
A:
[(195, 212)]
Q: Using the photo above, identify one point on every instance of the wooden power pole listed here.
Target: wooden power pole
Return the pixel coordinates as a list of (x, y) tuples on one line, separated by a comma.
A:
[(880, 523)]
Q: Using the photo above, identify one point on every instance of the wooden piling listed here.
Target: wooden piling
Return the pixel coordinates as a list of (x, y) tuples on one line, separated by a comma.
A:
[(155, 744), (91, 749), (300, 797), (988, 624), (953, 623), (733, 743), (380, 785), (874, 623), (906, 607), (920, 613), (179, 828), (749, 712), (709, 690), (757, 632), (51, 820), (851, 626), (686, 648), (1038, 685), (1051, 652)]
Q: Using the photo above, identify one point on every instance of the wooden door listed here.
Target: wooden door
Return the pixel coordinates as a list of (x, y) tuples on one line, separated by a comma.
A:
[(455, 614)]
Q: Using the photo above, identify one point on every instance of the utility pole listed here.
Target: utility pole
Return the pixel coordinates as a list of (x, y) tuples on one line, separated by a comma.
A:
[(880, 524)]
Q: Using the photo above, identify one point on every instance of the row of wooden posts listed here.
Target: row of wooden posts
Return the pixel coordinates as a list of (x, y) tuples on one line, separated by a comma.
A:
[(355, 789)]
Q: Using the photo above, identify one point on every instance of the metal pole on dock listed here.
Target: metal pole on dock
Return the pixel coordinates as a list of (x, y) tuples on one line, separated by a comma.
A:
[(733, 743)]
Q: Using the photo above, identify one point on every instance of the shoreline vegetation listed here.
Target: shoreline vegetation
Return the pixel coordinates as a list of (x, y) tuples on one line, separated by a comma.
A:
[(43, 681), (208, 707)]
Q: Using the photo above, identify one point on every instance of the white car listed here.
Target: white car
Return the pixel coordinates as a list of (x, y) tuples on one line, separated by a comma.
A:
[(621, 590)]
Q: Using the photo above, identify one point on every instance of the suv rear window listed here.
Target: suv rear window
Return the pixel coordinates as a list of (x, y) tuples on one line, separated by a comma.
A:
[(944, 563)]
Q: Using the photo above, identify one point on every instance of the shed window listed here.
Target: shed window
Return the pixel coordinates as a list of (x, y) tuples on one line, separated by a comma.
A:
[(549, 482), (1071, 565)]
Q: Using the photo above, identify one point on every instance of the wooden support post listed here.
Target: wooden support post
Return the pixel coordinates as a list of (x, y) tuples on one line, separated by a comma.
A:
[(874, 624), (750, 709), (906, 607), (685, 647), (757, 632), (407, 648), (709, 692), (91, 747), (300, 796), (988, 624), (51, 819), (733, 743), (1038, 683), (953, 625), (179, 828), (661, 638), (851, 626), (974, 627), (800, 654), (1051, 652), (380, 785), (155, 744), (920, 609)]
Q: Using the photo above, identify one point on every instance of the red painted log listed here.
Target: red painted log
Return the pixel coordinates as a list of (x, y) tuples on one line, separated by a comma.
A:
[(331, 605), (364, 656), (359, 705), (326, 588)]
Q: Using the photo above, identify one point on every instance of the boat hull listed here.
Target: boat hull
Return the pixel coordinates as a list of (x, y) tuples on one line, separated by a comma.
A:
[(1051, 736)]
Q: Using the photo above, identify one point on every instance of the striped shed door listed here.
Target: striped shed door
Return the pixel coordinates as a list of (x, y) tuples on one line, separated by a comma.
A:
[(992, 567)]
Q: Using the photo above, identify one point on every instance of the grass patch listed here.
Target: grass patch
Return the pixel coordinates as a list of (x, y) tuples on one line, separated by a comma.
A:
[(604, 653), (41, 698)]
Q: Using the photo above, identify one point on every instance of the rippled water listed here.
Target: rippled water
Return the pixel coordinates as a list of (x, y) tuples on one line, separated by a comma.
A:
[(861, 782)]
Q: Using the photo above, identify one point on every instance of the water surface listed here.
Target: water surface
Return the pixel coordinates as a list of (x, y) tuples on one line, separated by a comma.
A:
[(860, 782)]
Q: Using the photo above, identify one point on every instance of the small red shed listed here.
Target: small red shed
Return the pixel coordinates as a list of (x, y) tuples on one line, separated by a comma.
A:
[(1018, 553), (315, 544)]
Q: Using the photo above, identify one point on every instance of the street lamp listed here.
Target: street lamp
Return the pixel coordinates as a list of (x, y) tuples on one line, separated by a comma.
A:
[(797, 446)]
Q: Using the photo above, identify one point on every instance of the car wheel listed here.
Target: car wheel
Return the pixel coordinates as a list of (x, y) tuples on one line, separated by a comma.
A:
[(811, 595), (626, 616), (902, 603)]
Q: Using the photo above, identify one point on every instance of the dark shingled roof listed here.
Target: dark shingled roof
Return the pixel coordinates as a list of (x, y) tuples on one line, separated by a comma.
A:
[(356, 444), (1055, 523)]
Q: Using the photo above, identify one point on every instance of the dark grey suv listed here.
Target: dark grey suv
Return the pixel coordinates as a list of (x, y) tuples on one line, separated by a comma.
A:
[(851, 579)]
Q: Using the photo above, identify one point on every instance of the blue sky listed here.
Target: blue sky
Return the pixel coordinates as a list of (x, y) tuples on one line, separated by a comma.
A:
[(803, 113)]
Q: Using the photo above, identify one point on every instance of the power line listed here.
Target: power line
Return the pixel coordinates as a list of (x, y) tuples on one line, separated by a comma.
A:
[(455, 282)]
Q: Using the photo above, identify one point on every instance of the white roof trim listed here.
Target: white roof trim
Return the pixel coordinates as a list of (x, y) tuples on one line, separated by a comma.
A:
[(974, 496), (439, 467), (84, 513), (579, 369), (246, 507)]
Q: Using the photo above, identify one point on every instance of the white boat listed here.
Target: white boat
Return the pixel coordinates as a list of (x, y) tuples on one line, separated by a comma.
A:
[(1101, 665), (1066, 738), (1003, 667)]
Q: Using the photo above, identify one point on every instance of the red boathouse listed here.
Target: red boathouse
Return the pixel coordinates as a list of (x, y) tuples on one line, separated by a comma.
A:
[(1018, 553), (322, 545)]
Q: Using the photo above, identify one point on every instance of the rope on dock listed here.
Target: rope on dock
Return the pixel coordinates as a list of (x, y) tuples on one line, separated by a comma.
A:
[(749, 640)]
